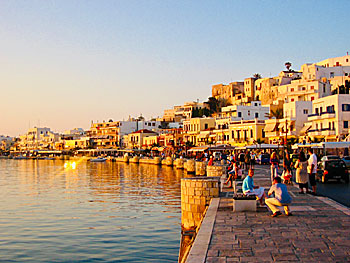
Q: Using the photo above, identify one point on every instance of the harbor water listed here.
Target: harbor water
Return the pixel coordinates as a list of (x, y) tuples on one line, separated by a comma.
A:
[(63, 211)]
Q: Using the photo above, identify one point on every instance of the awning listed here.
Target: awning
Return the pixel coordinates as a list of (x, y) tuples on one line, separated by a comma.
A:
[(263, 146), (270, 127), (222, 147), (199, 148), (305, 129)]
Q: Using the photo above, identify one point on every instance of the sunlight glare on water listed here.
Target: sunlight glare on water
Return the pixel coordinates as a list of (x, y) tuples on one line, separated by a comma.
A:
[(85, 212)]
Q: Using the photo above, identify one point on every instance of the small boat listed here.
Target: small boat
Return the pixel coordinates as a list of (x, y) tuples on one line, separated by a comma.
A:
[(98, 160)]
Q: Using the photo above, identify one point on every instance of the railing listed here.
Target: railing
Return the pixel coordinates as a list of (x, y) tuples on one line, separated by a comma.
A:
[(327, 112), (314, 114)]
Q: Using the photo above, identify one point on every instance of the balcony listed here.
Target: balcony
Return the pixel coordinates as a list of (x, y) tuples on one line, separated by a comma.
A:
[(328, 114), (313, 117)]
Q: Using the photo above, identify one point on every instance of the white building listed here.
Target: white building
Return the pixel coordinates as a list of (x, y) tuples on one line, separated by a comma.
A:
[(330, 118), (38, 138), (251, 111)]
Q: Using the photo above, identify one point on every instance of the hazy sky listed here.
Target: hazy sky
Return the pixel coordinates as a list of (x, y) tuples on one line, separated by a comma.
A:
[(65, 63)]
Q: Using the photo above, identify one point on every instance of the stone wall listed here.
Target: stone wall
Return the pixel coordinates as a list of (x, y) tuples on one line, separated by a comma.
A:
[(196, 193)]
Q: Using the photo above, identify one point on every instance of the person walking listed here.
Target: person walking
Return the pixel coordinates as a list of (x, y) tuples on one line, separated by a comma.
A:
[(282, 198), (274, 166), (312, 169), (301, 176)]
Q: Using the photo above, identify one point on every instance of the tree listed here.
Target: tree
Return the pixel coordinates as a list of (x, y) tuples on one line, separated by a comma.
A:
[(257, 76), (278, 114), (213, 104)]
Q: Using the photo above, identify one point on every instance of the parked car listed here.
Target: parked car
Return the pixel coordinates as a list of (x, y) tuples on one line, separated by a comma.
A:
[(332, 169), (263, 159), (346, 159), (330, 157)]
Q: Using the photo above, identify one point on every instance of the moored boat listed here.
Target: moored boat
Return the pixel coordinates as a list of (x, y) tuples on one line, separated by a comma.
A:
[(98, 160)]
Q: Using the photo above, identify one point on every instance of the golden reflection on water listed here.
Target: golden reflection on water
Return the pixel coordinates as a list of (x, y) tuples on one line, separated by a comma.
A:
[(117, 201)]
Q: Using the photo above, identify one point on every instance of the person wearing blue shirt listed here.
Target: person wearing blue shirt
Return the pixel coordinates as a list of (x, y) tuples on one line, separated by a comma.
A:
[(249, 188), (282, 198)]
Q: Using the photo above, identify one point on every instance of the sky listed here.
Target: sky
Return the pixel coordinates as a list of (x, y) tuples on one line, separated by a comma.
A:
[(64, 63)]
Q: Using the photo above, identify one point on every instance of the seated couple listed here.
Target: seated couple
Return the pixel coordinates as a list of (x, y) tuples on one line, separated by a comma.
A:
[(249, 188)]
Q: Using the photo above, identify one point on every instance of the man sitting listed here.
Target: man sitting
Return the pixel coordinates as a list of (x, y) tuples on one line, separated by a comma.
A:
[(282, 197), (249, 188)]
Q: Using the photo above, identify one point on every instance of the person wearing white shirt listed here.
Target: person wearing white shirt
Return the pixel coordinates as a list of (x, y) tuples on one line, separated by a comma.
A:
[(312, 170)]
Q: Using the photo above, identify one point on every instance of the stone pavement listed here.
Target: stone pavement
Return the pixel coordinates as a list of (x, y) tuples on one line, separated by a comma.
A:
[(318, 231)]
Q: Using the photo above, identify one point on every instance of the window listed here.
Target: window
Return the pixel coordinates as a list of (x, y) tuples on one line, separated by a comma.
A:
[(239, 114), (324, 88), (306, 111), (346, 124), (333, 126), (312, 98), (303, 88), (312, 87), (256, 115), (316, 111), (331, 74), (330, 109), (291, 100), (251, 133), (249, 113), (316, 127), (292, 89), (206, 126), (233, 134), (345, 107)]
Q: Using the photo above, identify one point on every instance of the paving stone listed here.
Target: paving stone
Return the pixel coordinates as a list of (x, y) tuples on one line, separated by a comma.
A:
[(317, 232)]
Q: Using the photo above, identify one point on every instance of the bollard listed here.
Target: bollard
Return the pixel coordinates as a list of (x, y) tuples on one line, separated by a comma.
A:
[(196, 193), (169, 161), (191, 166), (157, 160), (215, 170), (201, 168), (179, 163)]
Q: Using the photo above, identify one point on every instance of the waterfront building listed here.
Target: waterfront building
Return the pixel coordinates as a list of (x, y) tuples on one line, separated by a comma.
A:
[(150, 141), (110, 134), (235, 114), (330, 118), (38, 139), (6, 142), (137, 139), (82, 142), (244, 132), (192, 128), (171, 137)]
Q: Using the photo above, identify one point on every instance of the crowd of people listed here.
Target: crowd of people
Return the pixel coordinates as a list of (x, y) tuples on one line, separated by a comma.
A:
[(277, 195)]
